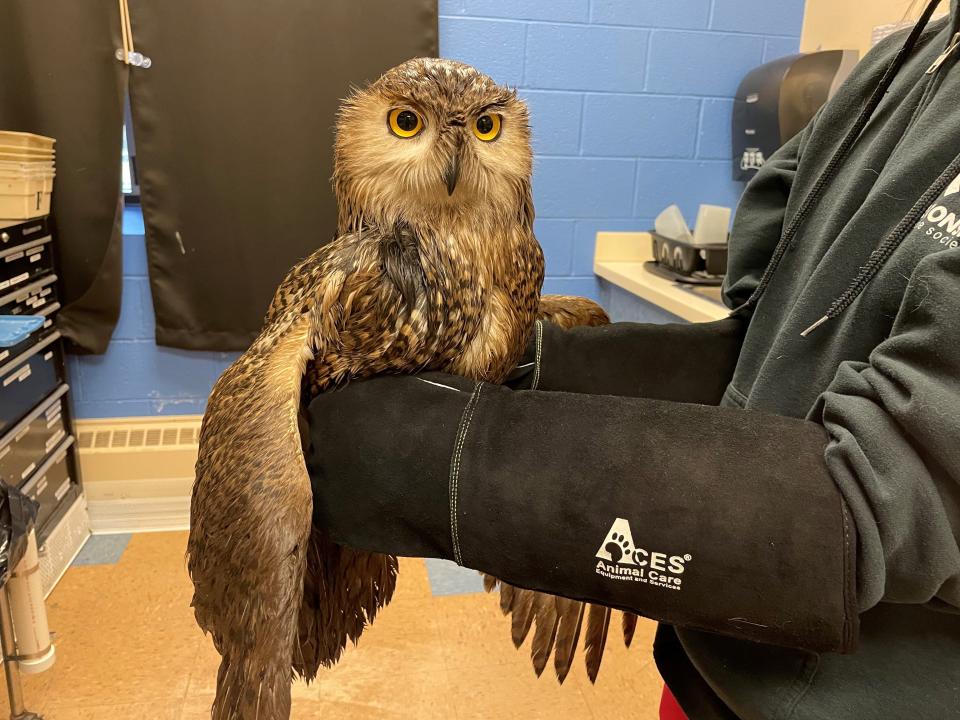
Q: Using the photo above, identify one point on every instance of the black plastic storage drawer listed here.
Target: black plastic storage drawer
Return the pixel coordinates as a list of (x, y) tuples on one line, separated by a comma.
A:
[(35, 298), (26, 379), (26, 445), (51, 482), (25, 232), (23, 263), (30, 298), (28, 342)]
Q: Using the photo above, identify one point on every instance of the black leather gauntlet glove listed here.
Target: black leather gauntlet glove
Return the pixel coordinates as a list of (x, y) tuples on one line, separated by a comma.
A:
[(681, 362), (711, 518)]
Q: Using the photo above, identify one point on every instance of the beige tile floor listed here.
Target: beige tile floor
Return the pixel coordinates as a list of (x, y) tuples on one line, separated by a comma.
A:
[(128, 649)]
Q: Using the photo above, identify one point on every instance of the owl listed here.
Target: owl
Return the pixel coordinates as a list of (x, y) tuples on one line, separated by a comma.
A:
[(434, 267)]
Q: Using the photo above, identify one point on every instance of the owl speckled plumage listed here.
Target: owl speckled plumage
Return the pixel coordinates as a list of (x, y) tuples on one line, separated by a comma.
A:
[(435, 267)]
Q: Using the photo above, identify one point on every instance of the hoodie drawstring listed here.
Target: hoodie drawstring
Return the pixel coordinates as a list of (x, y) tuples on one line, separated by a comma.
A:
[(879, 256), (830, 170)]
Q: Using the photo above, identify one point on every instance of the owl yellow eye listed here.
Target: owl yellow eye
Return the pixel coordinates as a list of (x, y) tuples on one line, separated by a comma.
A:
[(487, 127), (404, 123)]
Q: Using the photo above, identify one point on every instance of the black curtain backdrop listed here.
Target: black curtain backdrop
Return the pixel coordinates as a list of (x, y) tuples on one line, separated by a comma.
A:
[(234, 129), (59, 77)]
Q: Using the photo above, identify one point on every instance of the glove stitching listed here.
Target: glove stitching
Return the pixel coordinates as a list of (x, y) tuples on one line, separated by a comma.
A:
[(474, 401), (465, 421), (538, 330), (849, 585)]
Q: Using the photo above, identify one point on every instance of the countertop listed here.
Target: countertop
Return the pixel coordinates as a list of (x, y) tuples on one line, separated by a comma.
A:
[(619, 258)]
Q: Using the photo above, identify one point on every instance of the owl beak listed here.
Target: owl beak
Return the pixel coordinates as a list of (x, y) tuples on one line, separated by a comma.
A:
[(452, 173)]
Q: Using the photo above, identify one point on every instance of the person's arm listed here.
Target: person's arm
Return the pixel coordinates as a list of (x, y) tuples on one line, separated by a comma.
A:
[(701, 516), (894, 427)]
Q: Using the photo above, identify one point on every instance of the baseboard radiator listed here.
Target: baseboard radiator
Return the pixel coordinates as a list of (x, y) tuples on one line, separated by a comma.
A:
[(138, 472)]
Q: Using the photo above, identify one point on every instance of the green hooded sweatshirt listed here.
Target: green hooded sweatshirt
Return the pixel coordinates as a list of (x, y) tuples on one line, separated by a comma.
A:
[(877, 254)]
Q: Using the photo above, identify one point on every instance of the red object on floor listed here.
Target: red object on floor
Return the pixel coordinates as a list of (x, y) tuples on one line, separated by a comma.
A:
[(669, 707)]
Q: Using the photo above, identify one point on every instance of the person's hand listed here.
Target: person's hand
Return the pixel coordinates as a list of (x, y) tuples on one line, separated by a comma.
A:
[(683, 362)]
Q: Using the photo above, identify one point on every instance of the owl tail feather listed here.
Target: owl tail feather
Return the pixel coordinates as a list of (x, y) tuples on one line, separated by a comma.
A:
[(558, 623), (568, 636), (544, 637), (629, 627), (598, 624)]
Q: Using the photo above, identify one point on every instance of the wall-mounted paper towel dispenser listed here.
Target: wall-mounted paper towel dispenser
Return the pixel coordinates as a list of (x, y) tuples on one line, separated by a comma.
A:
[(776, 100)]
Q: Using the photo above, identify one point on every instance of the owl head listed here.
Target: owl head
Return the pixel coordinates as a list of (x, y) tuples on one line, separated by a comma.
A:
[(433, 141)]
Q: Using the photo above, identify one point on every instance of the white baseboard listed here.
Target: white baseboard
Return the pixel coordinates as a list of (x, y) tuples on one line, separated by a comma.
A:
[(138, 472), (139, 515)]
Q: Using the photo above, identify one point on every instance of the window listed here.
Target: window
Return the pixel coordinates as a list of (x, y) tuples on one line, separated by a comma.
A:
[(130, 182)]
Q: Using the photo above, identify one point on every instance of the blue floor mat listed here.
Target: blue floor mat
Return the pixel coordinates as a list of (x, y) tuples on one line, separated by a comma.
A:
[(102, 549), (448, 578)]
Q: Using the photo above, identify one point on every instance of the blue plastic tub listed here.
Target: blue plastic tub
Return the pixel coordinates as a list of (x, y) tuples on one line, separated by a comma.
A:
[(14, 329)]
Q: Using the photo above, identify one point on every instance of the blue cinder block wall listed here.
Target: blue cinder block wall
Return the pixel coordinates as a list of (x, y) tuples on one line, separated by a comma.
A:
[(630, 104)]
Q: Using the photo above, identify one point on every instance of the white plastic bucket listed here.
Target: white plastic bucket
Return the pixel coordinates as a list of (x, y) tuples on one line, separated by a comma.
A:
[(20, 166), (38, 153), (26, 158), (23, 186), (26, 140), (24, 206)]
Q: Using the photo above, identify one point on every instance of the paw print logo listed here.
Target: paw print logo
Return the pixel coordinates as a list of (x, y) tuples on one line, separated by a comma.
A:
[(618, 547)]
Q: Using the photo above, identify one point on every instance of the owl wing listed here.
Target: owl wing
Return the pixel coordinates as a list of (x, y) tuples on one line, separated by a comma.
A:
[(266, 585), (558, 621), (250, 514), (569, 311)]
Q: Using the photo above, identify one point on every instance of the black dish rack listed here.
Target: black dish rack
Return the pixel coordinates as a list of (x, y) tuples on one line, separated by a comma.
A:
[(687, 263)]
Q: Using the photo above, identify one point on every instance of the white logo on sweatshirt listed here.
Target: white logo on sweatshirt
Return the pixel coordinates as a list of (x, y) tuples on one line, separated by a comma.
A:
[(619, 558), (941, 221), (953, 187)]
